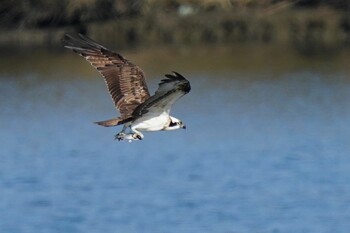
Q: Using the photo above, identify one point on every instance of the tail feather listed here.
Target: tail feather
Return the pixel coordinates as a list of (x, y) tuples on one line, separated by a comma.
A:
[(110, 123), (113, 122)]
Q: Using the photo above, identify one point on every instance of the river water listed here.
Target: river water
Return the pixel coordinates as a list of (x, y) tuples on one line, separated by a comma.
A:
[(266, 147)]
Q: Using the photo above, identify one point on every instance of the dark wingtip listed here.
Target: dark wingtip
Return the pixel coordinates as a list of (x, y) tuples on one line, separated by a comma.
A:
[(175, 75), (68, 40), (178, 75), (80, 41), (64, 40)]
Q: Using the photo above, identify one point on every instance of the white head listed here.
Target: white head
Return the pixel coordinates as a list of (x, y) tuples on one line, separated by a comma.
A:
[(175, 124)]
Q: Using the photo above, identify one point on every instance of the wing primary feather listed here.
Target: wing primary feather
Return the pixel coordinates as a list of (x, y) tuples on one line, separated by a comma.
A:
[(125, 81), (169, 91)]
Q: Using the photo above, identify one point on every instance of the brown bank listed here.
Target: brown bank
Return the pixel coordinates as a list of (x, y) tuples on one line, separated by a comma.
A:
[(309, 26)]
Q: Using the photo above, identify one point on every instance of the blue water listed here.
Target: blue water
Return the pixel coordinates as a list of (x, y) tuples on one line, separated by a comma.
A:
[(262, 152)]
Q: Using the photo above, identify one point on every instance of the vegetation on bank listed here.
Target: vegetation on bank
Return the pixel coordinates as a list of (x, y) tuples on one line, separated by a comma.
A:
[(57, 13), (308, 25)]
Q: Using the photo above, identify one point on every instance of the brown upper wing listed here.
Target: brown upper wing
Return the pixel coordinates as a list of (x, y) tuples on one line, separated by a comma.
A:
[(125, 81)]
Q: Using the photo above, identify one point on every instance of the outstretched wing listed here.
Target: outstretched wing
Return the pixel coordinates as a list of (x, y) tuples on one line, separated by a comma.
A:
[(170, 89), (125, 81)]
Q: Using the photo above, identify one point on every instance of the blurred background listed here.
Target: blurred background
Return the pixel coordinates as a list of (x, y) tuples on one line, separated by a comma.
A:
[(266, 147)]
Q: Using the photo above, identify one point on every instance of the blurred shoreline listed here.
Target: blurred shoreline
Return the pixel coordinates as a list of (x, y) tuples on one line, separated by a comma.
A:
[(309, 30)]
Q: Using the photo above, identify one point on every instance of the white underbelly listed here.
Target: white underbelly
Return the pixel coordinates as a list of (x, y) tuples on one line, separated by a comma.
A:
[(150, 122)]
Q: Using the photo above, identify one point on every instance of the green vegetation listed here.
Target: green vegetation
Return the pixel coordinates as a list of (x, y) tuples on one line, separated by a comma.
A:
[(308, 25), (56, 13)]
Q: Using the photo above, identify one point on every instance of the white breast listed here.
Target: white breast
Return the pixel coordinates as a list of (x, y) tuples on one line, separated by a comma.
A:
[(151, 122)]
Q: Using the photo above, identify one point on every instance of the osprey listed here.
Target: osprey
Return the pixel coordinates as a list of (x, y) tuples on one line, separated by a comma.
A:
[(139, 111)]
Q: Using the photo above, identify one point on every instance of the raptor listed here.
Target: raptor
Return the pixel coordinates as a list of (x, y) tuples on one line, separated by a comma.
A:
[(126, 83)]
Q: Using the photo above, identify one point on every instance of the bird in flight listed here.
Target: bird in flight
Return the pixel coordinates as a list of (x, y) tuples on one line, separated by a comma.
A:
[(126, 83)]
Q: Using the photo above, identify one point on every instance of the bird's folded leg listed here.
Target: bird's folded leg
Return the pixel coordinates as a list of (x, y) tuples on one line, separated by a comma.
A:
[(120, 136), (133, 135), (128, 136)]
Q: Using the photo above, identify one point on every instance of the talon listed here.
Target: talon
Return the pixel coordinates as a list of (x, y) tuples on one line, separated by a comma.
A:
[(119, 136), (137, 136)]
